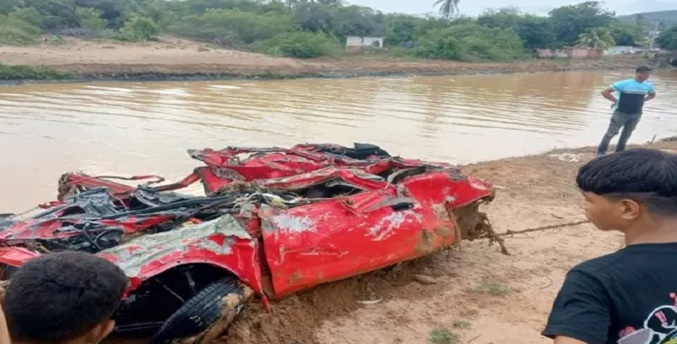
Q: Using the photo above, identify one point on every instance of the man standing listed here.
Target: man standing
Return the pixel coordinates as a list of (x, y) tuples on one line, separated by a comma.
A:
[(632, 93)]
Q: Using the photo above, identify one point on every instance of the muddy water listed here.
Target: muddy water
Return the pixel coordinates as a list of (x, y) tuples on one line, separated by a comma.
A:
[(132, 128)]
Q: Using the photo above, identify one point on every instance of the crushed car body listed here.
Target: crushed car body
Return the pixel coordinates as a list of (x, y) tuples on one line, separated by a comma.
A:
[(273, 221)]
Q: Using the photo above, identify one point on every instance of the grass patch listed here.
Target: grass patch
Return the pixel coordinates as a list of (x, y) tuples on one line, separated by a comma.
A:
[(443, 336), (25, 72), (462, 324), (491, 288)]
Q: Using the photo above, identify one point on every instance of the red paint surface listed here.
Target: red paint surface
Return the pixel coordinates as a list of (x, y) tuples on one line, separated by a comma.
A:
[(304, 245), (15, 256), (343, 237), (243, 261)]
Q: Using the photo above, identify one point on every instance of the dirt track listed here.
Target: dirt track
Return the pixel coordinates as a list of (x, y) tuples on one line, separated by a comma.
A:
[(480, 295), (173, 57)]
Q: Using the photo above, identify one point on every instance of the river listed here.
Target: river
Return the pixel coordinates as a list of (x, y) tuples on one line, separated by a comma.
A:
[(145, 127)]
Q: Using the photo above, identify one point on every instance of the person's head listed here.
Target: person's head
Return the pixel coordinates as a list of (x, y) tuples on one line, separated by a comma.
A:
[(629, 187), (642, 73), (63, 297)]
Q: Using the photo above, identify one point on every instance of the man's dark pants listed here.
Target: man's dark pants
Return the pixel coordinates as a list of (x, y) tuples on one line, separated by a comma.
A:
[(619, 120)]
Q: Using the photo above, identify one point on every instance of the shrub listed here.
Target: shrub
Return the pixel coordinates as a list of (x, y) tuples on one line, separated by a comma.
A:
[(442, 46), (139, 29), (22, 72), (232, 25), (668, 39), (299, 44), (20, 27), (470, 41), (90, 19), (28, 15)]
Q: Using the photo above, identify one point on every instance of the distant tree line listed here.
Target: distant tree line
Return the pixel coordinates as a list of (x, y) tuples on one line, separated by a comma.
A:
[(312, 28)]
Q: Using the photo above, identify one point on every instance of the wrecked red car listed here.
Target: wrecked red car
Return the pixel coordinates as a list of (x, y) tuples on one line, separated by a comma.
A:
[(273, 221)]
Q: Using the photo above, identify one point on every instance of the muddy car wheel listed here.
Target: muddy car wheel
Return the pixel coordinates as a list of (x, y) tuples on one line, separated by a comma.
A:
[(205, 316)]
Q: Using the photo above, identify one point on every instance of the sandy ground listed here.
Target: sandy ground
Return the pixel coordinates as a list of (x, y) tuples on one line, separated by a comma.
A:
[(176, 57), (479, 295)]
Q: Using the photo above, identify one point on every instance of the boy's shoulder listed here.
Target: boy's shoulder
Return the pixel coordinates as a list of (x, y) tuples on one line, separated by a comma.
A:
[(630, 262), (597, 265)]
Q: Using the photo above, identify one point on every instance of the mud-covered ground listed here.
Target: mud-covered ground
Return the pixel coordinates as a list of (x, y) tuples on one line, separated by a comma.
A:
[(177, 58), (477, 294)]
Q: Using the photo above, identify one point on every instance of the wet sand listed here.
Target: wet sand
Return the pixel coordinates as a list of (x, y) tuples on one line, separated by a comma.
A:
[(172, 58), (479, 295)]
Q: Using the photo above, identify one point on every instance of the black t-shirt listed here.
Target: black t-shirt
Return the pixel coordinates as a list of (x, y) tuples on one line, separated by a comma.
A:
[(627, 297)]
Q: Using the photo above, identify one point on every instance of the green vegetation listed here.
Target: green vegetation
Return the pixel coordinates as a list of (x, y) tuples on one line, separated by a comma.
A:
[(492, 289), (668, 38), (22, 72), (662, 19), (443, 336), (20, 26), (90, 19), (448, 8), (299, 44), (596, 38), (313, 28), (462, 324), (470, 41), (139, 29)]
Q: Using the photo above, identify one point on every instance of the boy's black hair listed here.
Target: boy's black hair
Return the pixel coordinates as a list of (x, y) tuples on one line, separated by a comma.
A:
[(647, 176), (643, 69), (60, 296)]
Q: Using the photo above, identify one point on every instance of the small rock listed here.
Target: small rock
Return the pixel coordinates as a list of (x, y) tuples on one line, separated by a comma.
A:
[(423, 279)]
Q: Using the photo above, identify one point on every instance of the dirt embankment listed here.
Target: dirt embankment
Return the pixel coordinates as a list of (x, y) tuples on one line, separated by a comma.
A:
[(473, 295), (176, 58)]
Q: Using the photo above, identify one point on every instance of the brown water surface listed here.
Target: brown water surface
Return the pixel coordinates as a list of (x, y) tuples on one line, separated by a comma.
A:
[(139, 127)]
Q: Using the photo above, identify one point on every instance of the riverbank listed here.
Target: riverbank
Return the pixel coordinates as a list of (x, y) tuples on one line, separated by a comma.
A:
[(475, 295), (172, 58)]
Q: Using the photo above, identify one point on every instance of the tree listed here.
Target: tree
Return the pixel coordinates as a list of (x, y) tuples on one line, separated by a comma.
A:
[(401, 29), (7, 6), (356, 21), (471, 41), (573, 20), (448, 8), (668, 39), (313, 17), (90, 19), (626, 34), (140, 29), (597, 38), (56, 13), (536, 32)]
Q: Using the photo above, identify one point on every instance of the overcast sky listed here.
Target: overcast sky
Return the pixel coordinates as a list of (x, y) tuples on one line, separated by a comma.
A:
[(475, 7)]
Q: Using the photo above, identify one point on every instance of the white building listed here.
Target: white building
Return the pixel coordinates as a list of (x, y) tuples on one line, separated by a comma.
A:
[(357, 44)]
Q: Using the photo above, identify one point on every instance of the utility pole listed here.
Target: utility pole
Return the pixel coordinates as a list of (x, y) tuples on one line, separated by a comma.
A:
[(653, 35)]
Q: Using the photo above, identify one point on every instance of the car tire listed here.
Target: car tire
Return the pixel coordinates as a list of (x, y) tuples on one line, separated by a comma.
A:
[(206, 315)]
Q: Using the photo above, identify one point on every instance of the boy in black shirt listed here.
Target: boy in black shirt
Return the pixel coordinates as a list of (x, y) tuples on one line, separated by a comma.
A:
[(629, 296)]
